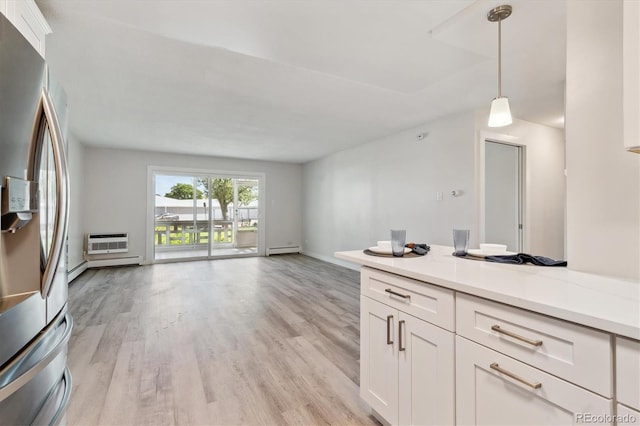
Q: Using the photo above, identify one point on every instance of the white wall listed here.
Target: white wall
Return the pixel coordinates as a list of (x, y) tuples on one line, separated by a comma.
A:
[(115, 192), (545, 182), (603, 181), (76, 231), (354, 197)]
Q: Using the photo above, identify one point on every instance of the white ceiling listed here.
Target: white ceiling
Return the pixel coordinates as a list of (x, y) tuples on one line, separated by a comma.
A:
[(294, 80)]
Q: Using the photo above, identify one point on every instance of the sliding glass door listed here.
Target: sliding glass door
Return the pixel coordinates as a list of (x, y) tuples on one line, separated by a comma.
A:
[(235, 228), (206, 215), (181, 228)]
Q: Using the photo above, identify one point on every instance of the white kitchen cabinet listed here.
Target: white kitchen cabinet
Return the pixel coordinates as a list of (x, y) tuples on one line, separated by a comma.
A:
[(427, 302), (628, 372), (27, 18), (406, 367), (379, 358), (494, 389), (631, 74), (514, 327), (519, 367), (426, 368), (578, 354)]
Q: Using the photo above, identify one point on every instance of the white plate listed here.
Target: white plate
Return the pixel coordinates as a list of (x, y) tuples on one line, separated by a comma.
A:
[(480, 253), (379, 250)]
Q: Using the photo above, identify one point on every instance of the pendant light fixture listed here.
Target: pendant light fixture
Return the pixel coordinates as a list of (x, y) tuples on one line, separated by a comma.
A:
[(500, 114)]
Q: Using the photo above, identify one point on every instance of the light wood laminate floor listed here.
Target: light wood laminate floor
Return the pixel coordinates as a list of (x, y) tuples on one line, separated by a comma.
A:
[(263, 340)]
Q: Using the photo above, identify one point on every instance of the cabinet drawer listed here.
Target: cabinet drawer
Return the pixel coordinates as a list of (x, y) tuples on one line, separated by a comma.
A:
[(425, 301), (628, 372), (572, 352), (494, 389)]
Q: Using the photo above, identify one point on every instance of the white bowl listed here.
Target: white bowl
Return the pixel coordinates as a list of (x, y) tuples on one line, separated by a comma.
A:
[(384, 245), (387, 250), (492, 249)]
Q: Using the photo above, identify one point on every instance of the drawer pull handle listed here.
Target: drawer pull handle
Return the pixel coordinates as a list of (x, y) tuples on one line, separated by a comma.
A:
[(389, 318), (400, 347), (404, 296), (495, 366), (516, 336)]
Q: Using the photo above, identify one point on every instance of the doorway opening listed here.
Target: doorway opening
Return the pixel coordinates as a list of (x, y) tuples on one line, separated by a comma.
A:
[(504, 178), (205, 215)]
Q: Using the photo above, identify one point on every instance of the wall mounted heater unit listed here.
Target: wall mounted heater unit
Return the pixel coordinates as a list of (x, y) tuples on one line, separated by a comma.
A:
[(107, 243)]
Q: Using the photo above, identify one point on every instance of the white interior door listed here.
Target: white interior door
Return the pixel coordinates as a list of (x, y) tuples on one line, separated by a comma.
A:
[(504, 195)]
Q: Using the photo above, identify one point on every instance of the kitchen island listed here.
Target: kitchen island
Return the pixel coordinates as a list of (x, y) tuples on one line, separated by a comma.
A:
[(447, 340)]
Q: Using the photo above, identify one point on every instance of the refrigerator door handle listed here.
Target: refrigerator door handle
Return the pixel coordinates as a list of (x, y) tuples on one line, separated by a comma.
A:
[(12, 379), (62, 194), (68, 385)]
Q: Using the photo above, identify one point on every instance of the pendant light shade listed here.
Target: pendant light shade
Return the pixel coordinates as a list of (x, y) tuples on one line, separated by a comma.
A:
[(500, 114)]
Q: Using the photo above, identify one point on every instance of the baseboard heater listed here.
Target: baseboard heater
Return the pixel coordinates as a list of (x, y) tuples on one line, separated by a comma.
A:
[(283, 250), (75, 272), (115, 261)]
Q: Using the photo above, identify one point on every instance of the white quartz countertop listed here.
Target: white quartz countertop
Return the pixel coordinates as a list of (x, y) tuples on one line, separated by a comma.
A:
[(605, 303)]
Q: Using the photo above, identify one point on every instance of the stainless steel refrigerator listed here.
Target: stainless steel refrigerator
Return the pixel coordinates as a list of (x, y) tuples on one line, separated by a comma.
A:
[(35, 327)]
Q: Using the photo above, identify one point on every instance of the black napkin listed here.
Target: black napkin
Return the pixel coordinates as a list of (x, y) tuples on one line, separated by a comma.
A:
[(419, 249), (522, 258)]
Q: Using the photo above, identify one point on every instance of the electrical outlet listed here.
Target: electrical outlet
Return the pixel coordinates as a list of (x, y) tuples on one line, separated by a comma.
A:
[(438, 196)]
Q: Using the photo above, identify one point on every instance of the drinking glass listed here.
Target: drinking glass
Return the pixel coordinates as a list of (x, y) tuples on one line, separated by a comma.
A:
[(460, 242), (398, 237)]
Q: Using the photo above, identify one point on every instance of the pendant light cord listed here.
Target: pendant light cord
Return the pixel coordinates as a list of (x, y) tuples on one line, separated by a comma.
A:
[(499, 58)]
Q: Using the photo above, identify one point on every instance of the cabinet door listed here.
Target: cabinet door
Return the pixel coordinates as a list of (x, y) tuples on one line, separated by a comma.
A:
[(486, 396), (628, 372), (378, 358), (27, 18), (426, 370)]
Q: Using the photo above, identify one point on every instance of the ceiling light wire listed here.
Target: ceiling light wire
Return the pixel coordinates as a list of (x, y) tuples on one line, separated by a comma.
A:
[(500, 114)]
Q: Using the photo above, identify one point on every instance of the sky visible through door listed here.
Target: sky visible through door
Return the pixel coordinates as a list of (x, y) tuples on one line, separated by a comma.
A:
[(165, 182)]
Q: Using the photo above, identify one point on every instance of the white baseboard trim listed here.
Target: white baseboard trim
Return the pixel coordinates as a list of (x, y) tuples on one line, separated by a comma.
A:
[(116, 261), (75, 272), (283, 250), (331, 259)]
